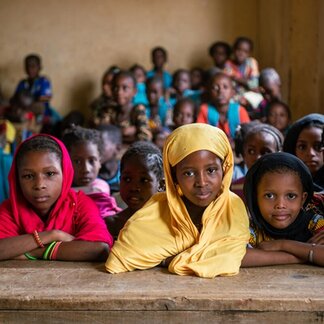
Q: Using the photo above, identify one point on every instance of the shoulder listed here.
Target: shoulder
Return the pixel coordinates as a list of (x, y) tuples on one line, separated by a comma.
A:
[(316, 224)]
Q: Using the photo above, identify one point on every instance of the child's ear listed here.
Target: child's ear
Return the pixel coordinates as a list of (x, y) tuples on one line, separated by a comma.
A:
[(305, 194)]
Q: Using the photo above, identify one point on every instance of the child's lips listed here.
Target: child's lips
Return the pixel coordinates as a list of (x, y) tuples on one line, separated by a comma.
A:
[(41, 199)]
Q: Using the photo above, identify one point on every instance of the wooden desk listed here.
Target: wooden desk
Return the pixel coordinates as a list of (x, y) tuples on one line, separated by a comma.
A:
[(65, 292)]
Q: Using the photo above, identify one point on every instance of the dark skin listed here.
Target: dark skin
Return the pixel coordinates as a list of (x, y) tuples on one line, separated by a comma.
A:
[(116, 222)]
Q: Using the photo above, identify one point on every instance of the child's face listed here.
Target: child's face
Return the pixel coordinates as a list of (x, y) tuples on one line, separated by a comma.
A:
[(184, 115), (200, 176), (309, 149), (271, 91), (154, 92), (257, 145), (137, 183), (158, 59), (110, 149), (196, 79), (32, 69), (278, 117), (124, 90), (139, 75), (86, 163), (219, 56), (242, 52), (182, 82), (40, 179), (280, 197), (221, 91)]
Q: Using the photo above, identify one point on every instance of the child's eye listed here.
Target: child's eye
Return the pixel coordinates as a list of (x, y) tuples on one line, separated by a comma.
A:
[(189, 173), (318, 147), (27, 176), (145, 180), (269, 195), (251, 151), (291, 196), (126, 179), (77, 162), (50, 173), (211, 170), (301, 147)]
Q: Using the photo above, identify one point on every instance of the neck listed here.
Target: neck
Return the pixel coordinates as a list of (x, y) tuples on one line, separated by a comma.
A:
[(195, 212)]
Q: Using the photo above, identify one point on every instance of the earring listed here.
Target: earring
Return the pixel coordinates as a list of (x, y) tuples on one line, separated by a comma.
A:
[(179, 191)]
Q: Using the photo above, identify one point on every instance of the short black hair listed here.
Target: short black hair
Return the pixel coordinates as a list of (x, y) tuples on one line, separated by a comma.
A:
[(147, 152), (76, 135), (33, 57), (278, 102), (243, 39), (226, 46), (124, 74), (160, 49), (136, 67), (114, 69), (114, 133), (40, 143), (154, 79), (189, 101)]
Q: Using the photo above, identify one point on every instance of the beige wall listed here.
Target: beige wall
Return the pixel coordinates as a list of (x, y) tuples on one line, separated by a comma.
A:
[(79, 39)]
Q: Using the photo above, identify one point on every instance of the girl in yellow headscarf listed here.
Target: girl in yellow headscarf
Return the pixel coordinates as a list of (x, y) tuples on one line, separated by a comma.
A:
[(198, 226)]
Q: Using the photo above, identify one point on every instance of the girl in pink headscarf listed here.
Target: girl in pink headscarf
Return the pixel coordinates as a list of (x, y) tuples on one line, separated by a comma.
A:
[(43, 218)]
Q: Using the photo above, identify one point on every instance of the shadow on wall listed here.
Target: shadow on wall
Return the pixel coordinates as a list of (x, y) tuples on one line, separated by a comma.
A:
[(81, 95)]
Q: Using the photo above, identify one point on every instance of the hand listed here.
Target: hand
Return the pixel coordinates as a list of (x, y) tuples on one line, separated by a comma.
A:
[(275, 245), (59, 235), (317, 238)]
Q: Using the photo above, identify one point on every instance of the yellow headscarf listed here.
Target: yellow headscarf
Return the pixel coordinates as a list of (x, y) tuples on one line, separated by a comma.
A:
[(163, 227)]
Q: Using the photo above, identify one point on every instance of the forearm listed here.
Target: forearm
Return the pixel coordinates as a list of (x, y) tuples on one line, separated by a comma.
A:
[(82, 251), (257, 258)]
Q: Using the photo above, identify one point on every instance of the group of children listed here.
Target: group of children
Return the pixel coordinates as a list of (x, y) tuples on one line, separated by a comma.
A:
[(109, 193)]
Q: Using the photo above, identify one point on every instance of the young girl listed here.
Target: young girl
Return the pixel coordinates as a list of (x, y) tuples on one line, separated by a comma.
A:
[(277, 189), (43, 218), (141, 177), (243, 68), (131, 119), (197, 227), (159, 58), (185, 112), (85, 149), (220, 53), (221, 111), (252, 141), (305, 139), (140, 76), (278, 115)]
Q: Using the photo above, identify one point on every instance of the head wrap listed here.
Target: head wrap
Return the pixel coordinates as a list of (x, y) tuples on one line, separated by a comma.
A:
[(163, 227), (298, 230)]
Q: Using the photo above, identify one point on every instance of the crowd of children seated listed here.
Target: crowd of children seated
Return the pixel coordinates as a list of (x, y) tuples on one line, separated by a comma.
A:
[(202, 171)]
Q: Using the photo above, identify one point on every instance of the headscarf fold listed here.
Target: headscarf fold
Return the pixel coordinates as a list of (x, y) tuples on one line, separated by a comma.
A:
[(73, 212), (298, 230), (163, 227)]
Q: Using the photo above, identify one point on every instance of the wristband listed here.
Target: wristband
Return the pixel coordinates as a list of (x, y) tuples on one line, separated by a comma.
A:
[(48, 250), (54, 251), (38, 239), (311, 254), (30, 257)]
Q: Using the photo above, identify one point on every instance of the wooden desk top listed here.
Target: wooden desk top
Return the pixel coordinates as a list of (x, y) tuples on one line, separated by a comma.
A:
[(43, 285)]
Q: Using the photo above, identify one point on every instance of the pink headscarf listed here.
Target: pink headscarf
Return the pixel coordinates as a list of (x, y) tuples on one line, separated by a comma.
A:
[(73, 212)]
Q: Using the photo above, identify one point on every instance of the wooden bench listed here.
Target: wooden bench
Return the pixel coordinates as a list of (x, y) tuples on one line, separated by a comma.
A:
[(65, 292)]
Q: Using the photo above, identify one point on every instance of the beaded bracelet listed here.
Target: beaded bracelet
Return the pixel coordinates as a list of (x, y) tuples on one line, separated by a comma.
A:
[(38, 239), (30, 257), (54, 251), (311, 254), (48, 250)]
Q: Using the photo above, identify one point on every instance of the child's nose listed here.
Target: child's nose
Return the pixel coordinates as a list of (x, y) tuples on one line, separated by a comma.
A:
[(200, 180), (39, 183), (280, 202)]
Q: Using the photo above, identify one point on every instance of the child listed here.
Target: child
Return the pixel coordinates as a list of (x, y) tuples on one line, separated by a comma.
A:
[(39, 87), (197, 78), (252, 141), (221, 111), (43, 217), (220, 53), (243, 68), (141, 177), (197, 226), (131, 119), (157, 110), (278, 188), (278, 115), (270, 87), (140, 76), (159, 58), (85, 147), (185, 112), (112, 145), (305, 140), (106, 93)]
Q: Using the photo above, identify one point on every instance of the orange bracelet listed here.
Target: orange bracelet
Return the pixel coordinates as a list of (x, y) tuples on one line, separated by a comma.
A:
[(38, 239)]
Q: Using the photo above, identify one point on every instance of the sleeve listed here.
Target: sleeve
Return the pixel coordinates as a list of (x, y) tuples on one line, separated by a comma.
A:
[(244, 116), (89, 226), (46, 88), (316, 224), (8, 227), (202, 114)]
